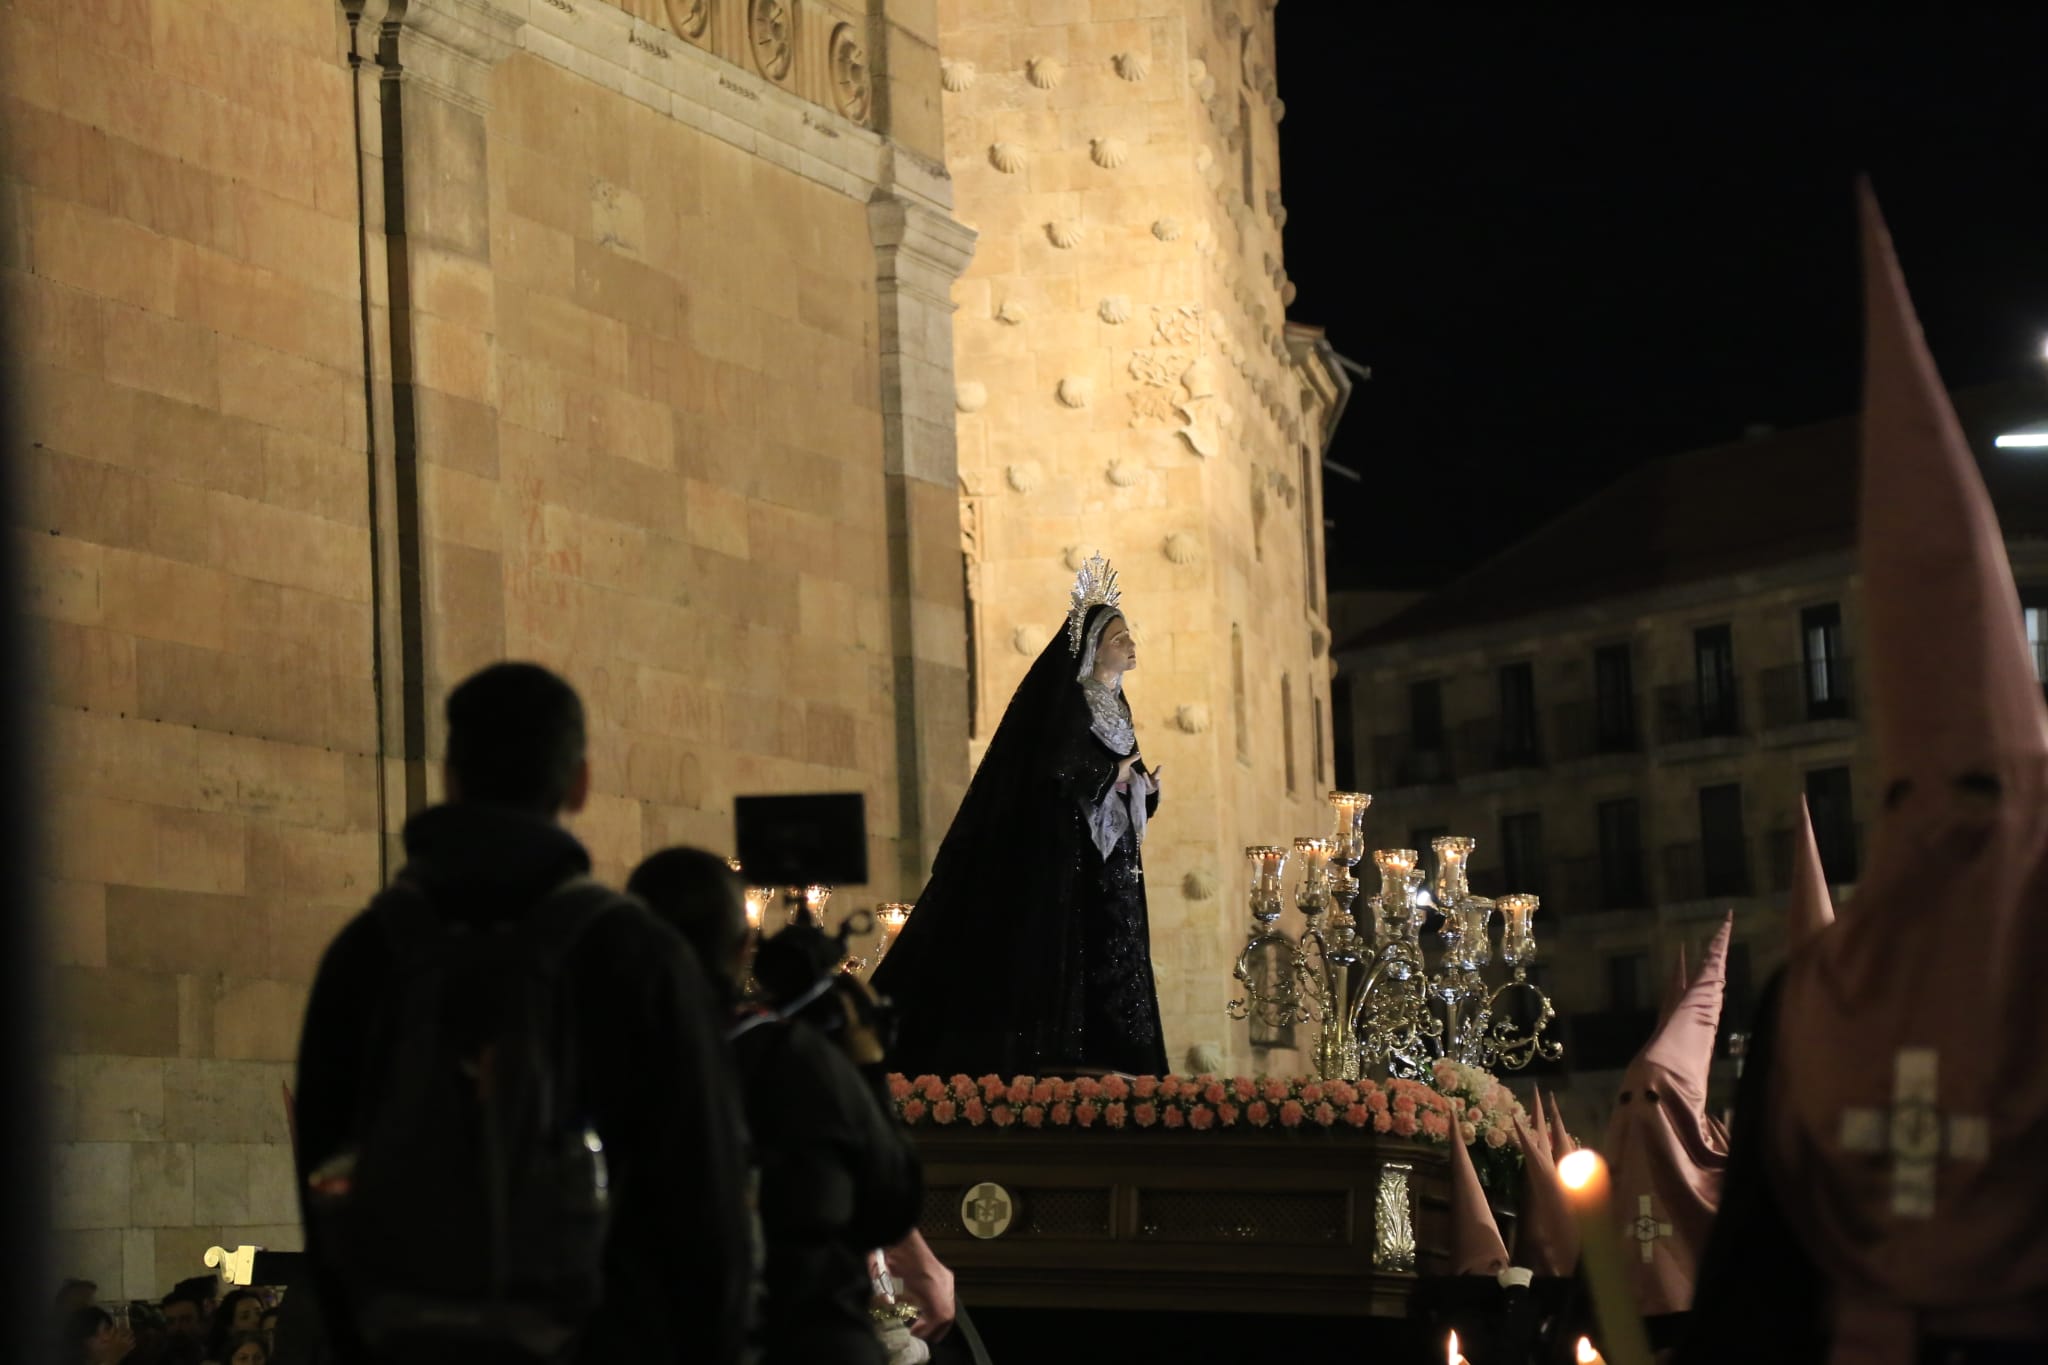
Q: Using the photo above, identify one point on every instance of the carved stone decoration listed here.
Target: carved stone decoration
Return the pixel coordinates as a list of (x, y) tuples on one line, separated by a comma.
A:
[(956, 76), (1109, 152), (1065, 234), (1288, 293), (1075, 391), (1124, 473), (1180, 326), (971, 396), (1199, 885), (1132, 66), (1201, 438), (1279, 108), (1205, 87), (1167, 229), (1115, 310), (1394, 1221), (689, 18), (1204, 158), (1317, 641), (771, 33), (1158, 369), (1182, 547), (1027, 640), (1074, 557), (1012, 313), (853, 87), (1191, 719), (1198, 71), (1199, 379), (1023, 477), (1045, 72), (1006, 157), (1151, 407)]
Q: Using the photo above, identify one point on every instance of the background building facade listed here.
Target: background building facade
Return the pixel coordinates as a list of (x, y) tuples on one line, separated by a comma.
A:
[(363, 344), (1626, 708)]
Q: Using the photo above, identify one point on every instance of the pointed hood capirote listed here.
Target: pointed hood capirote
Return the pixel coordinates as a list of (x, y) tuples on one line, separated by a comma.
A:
[(1809, 906), (1476, 1247), (1674, 988), (1547, 1237), (1668, 1154), (1907, 1103)]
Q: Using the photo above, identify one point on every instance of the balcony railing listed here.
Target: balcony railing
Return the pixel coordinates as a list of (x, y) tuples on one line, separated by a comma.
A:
[(1597, 884), (1801, 693), (1583, 729), (1398, 761), (1687, 712), (1490, 746), (1707, 871), (1841, 854)]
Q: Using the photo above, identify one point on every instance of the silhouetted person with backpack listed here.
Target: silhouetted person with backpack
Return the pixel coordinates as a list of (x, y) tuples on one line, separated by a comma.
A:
[(518, 1136), (838, 1180)]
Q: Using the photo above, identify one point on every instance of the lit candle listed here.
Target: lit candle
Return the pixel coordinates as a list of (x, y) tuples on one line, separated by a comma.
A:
[(1451, 1354), (1584, 1177), (1587, 1355)]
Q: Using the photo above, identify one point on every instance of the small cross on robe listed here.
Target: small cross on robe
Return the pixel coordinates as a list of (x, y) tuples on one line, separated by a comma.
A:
[(1915, 1132), (1646, 1229)]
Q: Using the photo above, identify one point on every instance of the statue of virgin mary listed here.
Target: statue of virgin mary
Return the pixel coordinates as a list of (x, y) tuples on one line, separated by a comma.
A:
[(1029, 952)]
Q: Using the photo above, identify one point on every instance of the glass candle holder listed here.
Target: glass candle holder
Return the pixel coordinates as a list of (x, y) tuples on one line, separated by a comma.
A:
[(1313, 896), (1453, 851), (1347, 833), (1395, 864), (757, 905), (1268, 878), (1518, 929), (1477, 916)]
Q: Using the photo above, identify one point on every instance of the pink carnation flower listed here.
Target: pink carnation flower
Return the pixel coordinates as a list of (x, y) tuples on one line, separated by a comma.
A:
[(1243, 1088), (913, 1110), (1497, 1138), (1088, 1088), (1228, 1113), (1003, 1115), (1312, 1093), (1146, 1113), (1041, 1093), (1201, 1118), (990, 1081), (1114, 1115), (1343, 1094), (1063, 1092), (964, 1088), (1356, 1115), (1145, 1087), (1404, 1104), (1274, 1091), (1326, 1114), (1062, 1113), (1467, 1134), (1382, 1121), (1019, 1091), (932, 1088), (1034, 1116), (960, 1081), (945, 1111), (1436, 1126), (1085, 1113), (1116, 1087), (993, 1090), (1404, 1125), (899, 1089), (1377, 1102), (1169, 1087), (1174, 1117), (1214, 1093), (1257, 1114), (976, 1111), (1290, 1114)]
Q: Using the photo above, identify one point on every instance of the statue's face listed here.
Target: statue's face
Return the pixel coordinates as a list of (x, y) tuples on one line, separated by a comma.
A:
[(1114, 652)]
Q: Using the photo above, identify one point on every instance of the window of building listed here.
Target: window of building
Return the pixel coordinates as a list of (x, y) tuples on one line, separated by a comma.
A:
[(1312, 581), (1343, 734), (1521, 852), (973, 648), (1426, 714), (1714, 674), (1287, 730), (1614, 700), (1518, 739), (1834, 822), (1246, 162), (1315, 706), (1822, 665), (1724, 852), (2035, 615), (1237, 696), (1628, 981), (1736, 1003), (1621, 854)]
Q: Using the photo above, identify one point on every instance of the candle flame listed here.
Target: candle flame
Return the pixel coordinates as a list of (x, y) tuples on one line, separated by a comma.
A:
[(1451, 1355), (1578, 1169), (1587, 1355)]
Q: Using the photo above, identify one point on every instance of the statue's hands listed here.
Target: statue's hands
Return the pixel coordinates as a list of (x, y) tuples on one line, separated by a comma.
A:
[(1124, 766)]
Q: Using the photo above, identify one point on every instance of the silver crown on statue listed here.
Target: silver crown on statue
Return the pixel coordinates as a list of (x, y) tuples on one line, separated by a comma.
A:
[(1094, 586)]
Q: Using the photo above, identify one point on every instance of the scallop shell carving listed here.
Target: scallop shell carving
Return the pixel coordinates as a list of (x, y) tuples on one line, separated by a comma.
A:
[(1132, 66), (971, 396), (1006, 157), (1022, 477), (1191, 719), (1182, 548), (1109, 152), (1025, 640), (1288, 293), (1124, 474), (1074, 557), (1115, 309), (1045, 72), (1167, 229), (1199, 885), (956, 76), (1065, 234), (1075, 390), (1012, 313), (1204, 158), (1279, 107), (1197, 69)]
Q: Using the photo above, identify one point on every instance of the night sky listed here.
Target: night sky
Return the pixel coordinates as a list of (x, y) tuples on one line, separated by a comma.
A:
[(1568, 244)]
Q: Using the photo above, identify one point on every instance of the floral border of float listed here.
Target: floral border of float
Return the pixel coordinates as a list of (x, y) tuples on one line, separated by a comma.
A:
[(1482, 1110)]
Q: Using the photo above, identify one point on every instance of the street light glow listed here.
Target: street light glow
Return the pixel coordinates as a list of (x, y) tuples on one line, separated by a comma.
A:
[(2023, 440)]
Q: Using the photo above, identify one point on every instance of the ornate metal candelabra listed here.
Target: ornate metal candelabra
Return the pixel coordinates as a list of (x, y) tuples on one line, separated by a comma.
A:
[(1379, 1007)]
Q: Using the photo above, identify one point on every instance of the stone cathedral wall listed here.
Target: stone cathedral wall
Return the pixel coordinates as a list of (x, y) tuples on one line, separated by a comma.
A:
[(551, 329), (1127, 385)]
